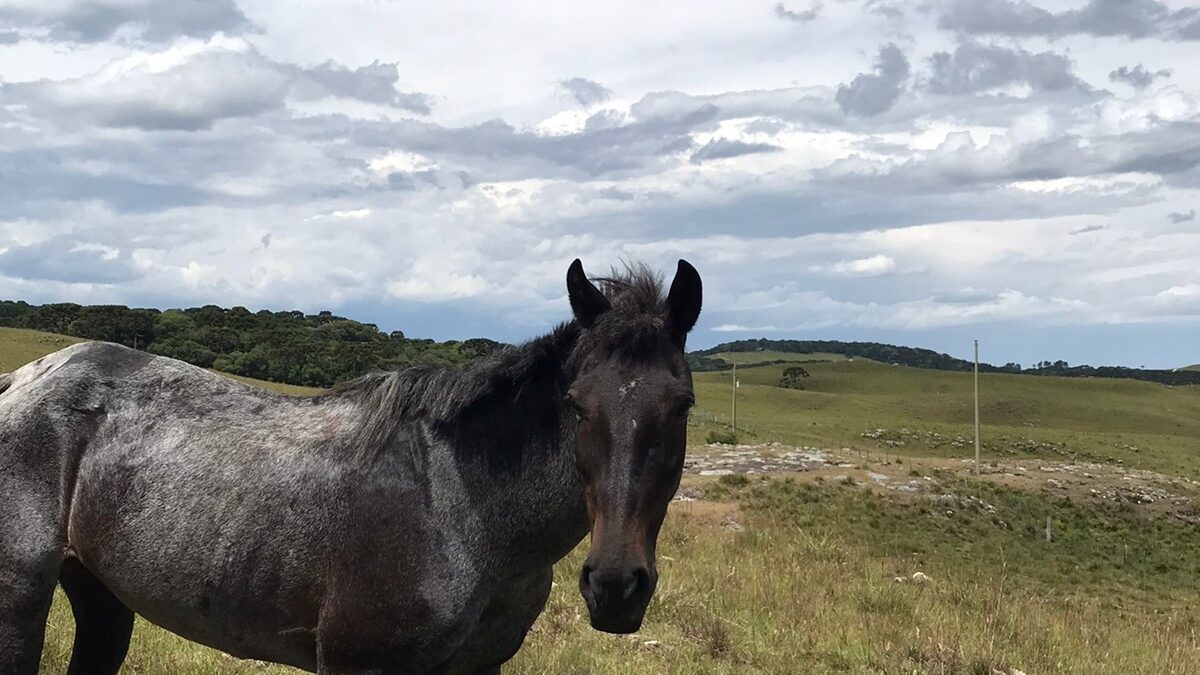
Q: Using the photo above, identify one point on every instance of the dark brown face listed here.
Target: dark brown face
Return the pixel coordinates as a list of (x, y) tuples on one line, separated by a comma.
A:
[(632, 434)]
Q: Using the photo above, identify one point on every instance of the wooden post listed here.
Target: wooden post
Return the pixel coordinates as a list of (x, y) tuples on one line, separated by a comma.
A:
[(1049, 535), (733, 405), (977, 413)]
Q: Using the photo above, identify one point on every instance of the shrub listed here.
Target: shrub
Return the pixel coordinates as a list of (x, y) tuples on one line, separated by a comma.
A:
[(723, 437)]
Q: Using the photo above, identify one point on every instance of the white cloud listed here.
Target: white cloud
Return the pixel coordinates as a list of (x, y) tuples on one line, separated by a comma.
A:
[(434, 287), (193, 84), (860, 267), (738, 328), (157, 156)]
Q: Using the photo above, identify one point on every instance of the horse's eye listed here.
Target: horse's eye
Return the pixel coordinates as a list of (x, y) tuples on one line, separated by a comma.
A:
[(574, 407), (683, 409)]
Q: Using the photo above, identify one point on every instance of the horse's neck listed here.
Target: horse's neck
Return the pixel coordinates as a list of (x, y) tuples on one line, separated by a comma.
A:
[(531, 490)]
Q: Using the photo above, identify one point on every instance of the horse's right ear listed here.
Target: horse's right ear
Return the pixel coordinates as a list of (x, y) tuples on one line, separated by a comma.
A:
[(587, 302)]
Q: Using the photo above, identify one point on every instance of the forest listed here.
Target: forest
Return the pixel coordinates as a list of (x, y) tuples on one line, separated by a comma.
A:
[(315, 350)]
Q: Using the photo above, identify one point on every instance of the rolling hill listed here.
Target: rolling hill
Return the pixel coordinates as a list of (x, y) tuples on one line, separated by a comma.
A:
[(915, 411)]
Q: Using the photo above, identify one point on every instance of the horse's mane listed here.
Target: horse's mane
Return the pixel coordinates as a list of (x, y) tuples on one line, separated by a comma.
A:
[(442, 395)]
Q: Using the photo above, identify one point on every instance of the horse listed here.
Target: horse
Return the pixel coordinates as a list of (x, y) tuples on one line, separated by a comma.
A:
[(406, 521)]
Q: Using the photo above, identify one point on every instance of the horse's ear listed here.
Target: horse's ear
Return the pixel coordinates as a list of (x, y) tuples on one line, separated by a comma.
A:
[(587, 302), (683, 302)]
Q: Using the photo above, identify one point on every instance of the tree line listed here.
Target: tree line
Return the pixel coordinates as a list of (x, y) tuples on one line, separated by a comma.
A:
[(914, 357), (315, 350), (318, 350)]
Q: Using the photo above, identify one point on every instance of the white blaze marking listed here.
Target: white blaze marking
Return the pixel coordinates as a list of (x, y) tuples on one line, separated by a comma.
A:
[(628, 387)]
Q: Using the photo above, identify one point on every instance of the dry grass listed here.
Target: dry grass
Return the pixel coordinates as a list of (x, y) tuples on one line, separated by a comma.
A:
[(784, 595)]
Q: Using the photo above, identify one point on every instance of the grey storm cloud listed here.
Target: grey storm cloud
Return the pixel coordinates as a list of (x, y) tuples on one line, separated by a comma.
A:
[(884, 8), (974, 67), (1182, 217), (616, 194), (502, 152), (9, 37), (1138, 76), (374, 83), (1124, 18), (64, 259), (585, 92), (40, 185), (724, 148), (215, 84), (807, 15), (959, 165), (811, 105), (88, 21), (870, 94)]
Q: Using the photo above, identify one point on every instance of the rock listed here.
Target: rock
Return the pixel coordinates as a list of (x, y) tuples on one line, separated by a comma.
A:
[(920, 578)]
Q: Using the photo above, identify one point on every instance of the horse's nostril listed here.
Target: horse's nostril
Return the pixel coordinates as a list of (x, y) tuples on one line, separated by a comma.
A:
[(585, 577), (631, 586), (641, 580)]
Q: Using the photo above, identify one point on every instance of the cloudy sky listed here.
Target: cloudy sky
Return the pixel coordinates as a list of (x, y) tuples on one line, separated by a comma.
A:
[(913, 172)]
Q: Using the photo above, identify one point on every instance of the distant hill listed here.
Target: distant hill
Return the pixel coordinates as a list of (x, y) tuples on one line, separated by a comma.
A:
[(313, 350), (318, 350), (913, 357), (1195, 367)]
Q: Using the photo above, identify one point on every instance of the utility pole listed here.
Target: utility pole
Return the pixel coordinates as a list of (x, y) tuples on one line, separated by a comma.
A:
[(977, 406), (733, 405)]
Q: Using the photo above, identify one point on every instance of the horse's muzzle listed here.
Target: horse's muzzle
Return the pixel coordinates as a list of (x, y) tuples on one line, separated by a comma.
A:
[(616, 597)]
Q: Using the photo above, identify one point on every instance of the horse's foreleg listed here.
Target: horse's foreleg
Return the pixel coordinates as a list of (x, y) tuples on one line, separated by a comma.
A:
[(102, 623)]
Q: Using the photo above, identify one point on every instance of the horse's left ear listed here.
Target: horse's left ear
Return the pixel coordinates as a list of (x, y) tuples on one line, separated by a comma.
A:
[(683, 302)]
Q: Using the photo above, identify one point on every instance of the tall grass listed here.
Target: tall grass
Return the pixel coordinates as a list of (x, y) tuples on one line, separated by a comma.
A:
[(797, 591)]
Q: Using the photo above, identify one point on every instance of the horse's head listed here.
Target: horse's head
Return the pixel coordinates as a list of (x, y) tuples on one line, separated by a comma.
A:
[(631, 395)]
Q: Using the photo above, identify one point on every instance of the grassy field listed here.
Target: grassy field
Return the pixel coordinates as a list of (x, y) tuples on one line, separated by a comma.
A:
[(797, 574), (742, 358), (916, 412), (783, 577), (19, 346)]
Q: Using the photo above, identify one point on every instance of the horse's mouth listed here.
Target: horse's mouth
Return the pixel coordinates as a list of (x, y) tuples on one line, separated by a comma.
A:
[(620, 625)]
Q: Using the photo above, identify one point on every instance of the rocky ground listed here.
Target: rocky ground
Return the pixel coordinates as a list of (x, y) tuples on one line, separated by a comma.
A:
[(1147, 490)]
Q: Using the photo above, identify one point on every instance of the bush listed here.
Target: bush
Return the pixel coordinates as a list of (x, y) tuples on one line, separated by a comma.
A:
[(723, 437)]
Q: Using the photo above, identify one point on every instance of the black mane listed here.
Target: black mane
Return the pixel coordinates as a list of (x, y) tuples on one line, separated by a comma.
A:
[(519, 376)]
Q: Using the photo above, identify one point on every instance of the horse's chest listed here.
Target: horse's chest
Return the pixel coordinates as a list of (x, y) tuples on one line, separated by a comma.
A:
[(497, 633), (465, 634)]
